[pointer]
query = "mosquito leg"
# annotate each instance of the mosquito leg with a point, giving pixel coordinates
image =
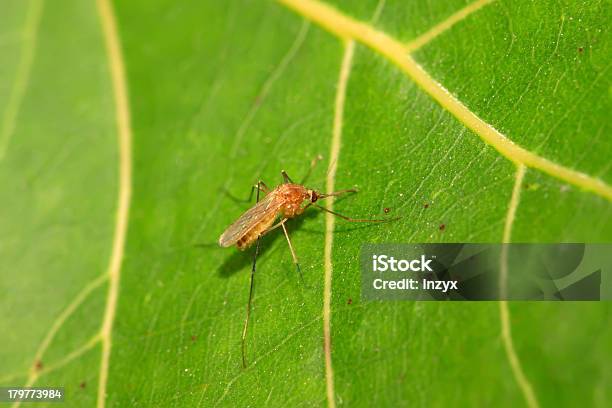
(344, 217)
(295, 260)
(286, 178)
(313, 163)
(248, 200)
(260, 186)
(275, 226)
(251, 286)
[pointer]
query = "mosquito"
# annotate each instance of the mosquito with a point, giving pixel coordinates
(286, 201)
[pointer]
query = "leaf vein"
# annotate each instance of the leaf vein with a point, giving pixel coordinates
(78, 300)
(347, 28)
(504, 312)
(345, 68)
(22, 77)
(124, 136)
(445, 25)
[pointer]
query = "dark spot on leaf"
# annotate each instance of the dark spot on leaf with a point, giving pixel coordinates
(38, 365)
(82, 384)
(580, 49)
(426, 205)
(442, 227)
(349, 302)
(194, 337)
(386, 210)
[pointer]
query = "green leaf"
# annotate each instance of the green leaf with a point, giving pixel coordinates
(222, 94)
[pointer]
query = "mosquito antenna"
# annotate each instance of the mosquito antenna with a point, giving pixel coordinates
(337, 193)
(252, 284)
(313, 163)
(354, 219)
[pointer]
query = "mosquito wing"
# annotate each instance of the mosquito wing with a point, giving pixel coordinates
(268, 205)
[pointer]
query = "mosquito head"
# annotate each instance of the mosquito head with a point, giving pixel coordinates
(313, 196)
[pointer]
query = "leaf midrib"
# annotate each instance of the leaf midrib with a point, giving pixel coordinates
(346, 27)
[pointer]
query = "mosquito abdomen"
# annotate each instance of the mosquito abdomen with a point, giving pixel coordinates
(251, 236)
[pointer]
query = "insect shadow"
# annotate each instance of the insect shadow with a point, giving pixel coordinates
(240, 260)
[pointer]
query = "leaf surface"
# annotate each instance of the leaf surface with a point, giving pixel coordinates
(225, 93)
